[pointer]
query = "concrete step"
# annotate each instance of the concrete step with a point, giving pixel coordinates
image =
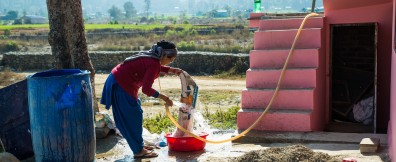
(255, 136)
(297, 99)
(268, 78)
(276, 58)
(283, 39)
(293, 23)
(278, 120)
(254, 19)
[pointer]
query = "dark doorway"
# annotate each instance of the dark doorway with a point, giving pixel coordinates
(353, 78)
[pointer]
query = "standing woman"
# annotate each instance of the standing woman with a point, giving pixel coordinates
(121, 92)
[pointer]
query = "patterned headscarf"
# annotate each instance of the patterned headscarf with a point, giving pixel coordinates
(155, 52)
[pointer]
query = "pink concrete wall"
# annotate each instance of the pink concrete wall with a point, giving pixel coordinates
(392, 122)
(344, 12)
(254, 19)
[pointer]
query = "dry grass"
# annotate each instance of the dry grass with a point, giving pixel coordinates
(7, 77)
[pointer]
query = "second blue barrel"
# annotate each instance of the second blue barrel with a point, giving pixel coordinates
(61, 115)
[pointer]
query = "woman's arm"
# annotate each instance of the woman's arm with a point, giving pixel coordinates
(168, 69)
(175, 71)
(167, 100)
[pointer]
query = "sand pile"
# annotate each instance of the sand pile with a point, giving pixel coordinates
(289, 153)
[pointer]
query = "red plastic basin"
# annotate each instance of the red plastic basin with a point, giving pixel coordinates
(185, 143)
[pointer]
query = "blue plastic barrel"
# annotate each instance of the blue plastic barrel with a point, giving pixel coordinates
(61, 116)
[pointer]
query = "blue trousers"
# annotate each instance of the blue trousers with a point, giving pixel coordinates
(128, 117)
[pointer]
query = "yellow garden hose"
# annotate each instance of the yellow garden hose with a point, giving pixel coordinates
(266, 109)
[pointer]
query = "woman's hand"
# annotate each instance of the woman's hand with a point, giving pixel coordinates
(176, 71)
(167, 100)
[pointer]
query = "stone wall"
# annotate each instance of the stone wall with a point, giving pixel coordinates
(192, 62)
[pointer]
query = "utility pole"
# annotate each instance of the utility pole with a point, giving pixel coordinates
(313, 6)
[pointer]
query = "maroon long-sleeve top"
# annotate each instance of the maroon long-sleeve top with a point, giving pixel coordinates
(139, 73)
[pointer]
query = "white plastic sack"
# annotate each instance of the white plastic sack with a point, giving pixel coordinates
(363, 110)
(189, 95)
(150, 139)
(186, 120)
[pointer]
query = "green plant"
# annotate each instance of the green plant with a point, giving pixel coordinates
(222, 119)
(159, 123)
(219, 119)
(193, 32)
(7, 32)
(12, 46)
(186, 46)
(9, 46)
(3, 37)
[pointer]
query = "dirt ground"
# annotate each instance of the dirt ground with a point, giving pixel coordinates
(115, 148)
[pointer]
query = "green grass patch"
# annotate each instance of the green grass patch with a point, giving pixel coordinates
(220, 120)
(159, 123)
(7, 46)
(136, 27)
(212, 96)
(111, 26)
(104, 26)
(24, 26)
(101, 26)
(229, 75)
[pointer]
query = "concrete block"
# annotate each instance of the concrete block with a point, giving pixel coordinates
(369, 145)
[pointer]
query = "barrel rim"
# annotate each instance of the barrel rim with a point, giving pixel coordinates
(52, 73)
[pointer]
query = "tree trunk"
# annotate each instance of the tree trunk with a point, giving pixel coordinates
(67, 38)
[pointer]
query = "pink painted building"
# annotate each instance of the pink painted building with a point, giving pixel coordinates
(341, 77)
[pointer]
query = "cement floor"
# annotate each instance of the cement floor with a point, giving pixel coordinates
(342, 145)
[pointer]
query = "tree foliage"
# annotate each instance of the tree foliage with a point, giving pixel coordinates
(11, 15)
(130, 10)
(147, 6)
(115, 12)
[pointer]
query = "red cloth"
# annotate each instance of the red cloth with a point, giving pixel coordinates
(138, 73)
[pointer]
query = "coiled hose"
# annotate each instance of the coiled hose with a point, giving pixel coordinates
(266, 109)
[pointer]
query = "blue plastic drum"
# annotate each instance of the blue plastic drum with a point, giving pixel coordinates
(61, 116)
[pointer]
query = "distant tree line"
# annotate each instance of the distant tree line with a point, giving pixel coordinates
(148, 11)
(129, 12)
(11, 15)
